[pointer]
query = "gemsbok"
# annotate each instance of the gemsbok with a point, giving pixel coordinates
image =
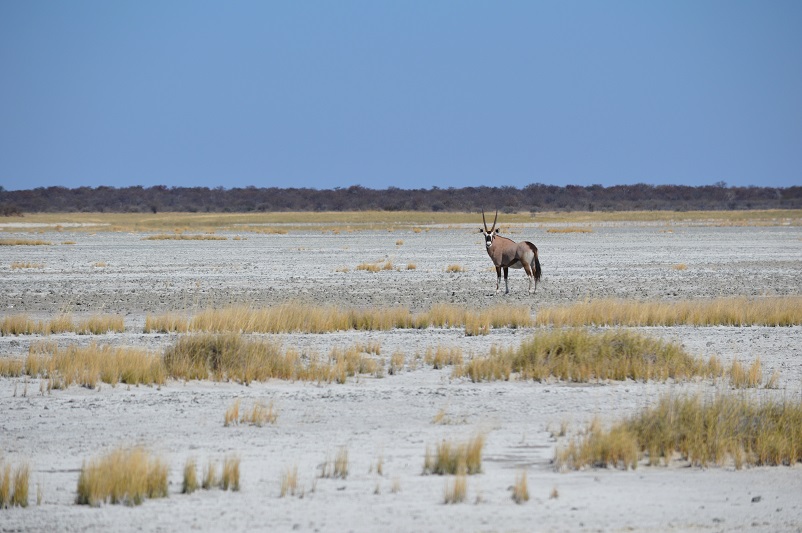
(507, 254)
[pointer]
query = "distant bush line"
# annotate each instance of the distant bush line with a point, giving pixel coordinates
(534, 197)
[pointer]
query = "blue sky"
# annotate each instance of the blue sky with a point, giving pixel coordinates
(407, 93)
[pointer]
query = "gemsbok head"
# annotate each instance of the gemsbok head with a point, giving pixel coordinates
(507, 254)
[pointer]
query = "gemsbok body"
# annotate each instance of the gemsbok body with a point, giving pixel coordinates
(507, 254)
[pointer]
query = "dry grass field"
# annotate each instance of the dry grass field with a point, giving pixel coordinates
(357, 372)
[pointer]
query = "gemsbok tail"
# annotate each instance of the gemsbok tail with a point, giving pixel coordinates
(538, 272)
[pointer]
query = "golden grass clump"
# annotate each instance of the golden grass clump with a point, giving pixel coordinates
(742, 378)
(122, 476)
(14, 485)
(454, 269)
(182, 237)
(456, 490)
(23, 242)
(100, 324)
(190, 481)
(11, 367)
(520, 489)
(95, 363)
(459, 458)
(289, 482)
(260, 414)
(232, 414)
(166, 323)
(369, 267)
(616, 447)
(442, 356)
(728, 428)
(337, 467)
(19, 325)
(411, 266)
(680, 266)
(18, 265)
(731, 311)
(229, 480)
(228, 357)
(210, 479)
(581, 356)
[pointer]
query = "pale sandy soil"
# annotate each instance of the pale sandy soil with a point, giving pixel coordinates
(391, 417)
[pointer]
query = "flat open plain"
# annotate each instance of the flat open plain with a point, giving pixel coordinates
(393, 418)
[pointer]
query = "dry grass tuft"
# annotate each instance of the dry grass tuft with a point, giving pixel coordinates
(337, 467)
(733, 311)
(456, 491)
(123, 476)
(260, 414)
(14, 485)
(680, 266)
(581, 356)
(453, 269)
(210, 479)
(742, 378)
(228, 357)
(411, 266)
(190, 483)
(17, 265)
(182, 237)
(167, 323)
(727, 428)
(91, 364)
(23, 242)
(229, 480)
(451, 458)
(520, 490)
(442, 356)
(232, 414)
(289, 482)
(100, 324)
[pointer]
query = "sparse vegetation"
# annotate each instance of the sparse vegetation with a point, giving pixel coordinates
(451, 458)
(99, 324)
(122, 476)
(731, 311)
(581, 356)
(23, 242)
(728, 428)
(229, 480)
(232, 414)
(289, 482)
(190, 482)
(182, 237)
(14, 485)
(453, 269)
(296, 318)
(18, 265)
(456, 490)
(91, 364)
(166, 323)
(520, 489)
(337, 467)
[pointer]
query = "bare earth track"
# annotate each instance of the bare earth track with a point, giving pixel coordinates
(390, 418)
